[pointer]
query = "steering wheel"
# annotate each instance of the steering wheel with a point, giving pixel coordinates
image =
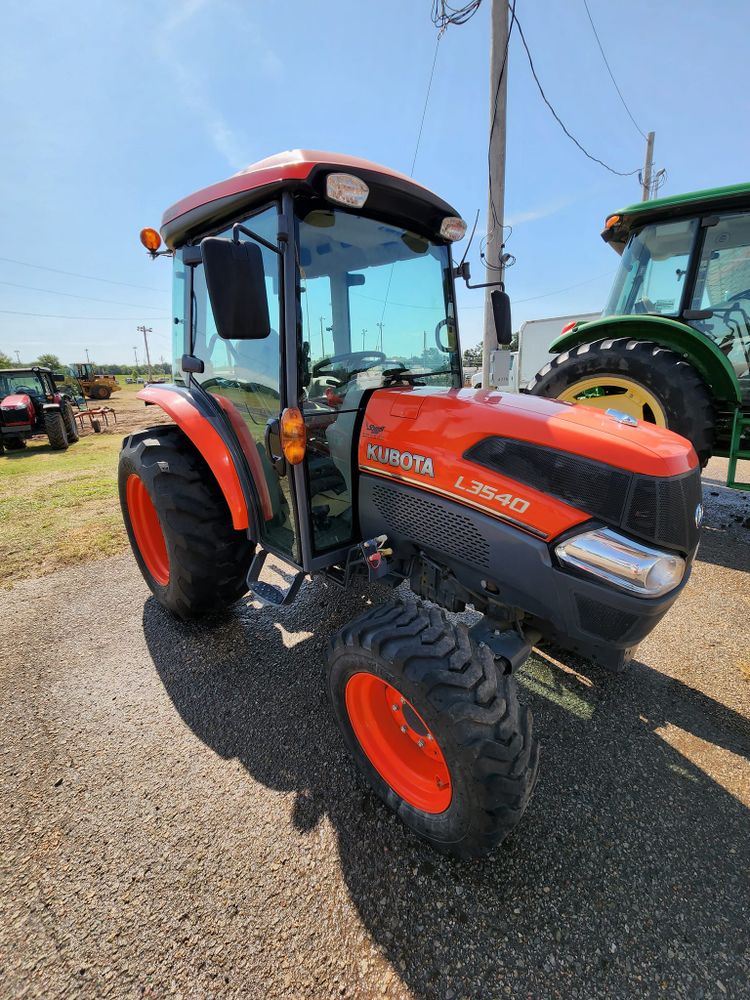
(438, 328)
(25, 388)
(367, 359)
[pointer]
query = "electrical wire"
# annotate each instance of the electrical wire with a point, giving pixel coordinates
(557, 291)
(443, 15)
(69, 295)
(73, 274)
(426, 102)
(99, 319)
(609, 70)
(595, 159)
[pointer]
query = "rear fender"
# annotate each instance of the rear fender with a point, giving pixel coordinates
(695, 347)
(215, 452)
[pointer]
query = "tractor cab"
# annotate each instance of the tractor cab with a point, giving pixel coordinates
(688, 259)
(303, 284)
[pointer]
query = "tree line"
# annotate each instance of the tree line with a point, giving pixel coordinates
(52, 361)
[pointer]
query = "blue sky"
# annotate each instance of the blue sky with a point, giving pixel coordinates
(112, 112)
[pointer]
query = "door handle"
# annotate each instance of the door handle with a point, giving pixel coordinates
(272, 442)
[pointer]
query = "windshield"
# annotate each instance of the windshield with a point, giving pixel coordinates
(651, 278)
(376, 307)
(22, 382)
(722, 289)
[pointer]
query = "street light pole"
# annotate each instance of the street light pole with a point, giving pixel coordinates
(496, 201)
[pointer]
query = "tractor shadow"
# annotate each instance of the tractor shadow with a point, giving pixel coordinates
(725, 539)
(624, 878)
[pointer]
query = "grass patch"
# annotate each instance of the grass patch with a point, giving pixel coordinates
(59, 508)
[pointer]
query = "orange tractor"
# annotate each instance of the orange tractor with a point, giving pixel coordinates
(318, 415)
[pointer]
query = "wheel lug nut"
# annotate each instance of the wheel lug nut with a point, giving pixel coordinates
(420, 743)
(404, 729)
(429, 736)
(395, 708)
(403, 700)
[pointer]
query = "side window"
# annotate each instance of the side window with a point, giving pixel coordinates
(179, 296)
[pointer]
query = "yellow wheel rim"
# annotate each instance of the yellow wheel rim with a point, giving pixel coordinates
(605, 392)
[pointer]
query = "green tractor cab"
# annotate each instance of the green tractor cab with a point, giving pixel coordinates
(672, 346)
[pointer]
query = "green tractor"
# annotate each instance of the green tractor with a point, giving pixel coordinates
(672, 346)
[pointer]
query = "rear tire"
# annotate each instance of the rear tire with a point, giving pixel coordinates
(71, 428)
(101, 392)
(179, 526)
(55, 428)
(680, 391)
(466, 705)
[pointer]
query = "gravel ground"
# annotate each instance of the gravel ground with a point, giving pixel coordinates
(178, 815)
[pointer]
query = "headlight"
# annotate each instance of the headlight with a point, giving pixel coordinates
(622, 562)
(346, 189)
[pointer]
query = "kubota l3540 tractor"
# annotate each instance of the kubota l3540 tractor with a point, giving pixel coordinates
(318, 415)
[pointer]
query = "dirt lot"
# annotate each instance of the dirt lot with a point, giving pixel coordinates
(178, 816)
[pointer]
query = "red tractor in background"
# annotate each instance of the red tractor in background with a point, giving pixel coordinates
(318, 415)
(31, 404)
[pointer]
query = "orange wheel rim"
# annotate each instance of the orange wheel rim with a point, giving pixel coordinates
(398, 743)
(147, 529)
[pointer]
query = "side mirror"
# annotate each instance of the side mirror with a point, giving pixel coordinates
(236, 283)
(501, 314)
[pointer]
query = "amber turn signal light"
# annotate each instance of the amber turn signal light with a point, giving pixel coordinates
(293, 435)
(611, 222)
(150, 239)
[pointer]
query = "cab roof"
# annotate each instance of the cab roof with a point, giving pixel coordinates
(734, 196)
(392, 193)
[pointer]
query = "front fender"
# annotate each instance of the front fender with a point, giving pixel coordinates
(694, 346)
(209, 443)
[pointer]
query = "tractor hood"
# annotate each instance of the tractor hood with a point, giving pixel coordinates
(549, 464)
(15, 401)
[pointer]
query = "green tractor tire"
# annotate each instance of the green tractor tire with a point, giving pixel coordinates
(636, 377)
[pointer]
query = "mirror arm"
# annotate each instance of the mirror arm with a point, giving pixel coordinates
(464, 271)
(237, 228)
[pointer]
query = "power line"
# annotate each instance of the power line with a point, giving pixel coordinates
(595, 159)
(426, 102)
(69, 295)
(74, 274)
(609, 70)
(99, 319)
(558, 291)
(444, 15)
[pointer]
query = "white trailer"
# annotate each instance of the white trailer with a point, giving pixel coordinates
(533, 353)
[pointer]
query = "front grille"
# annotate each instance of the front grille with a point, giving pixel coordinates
(602, 621)
(663, 510)
(430, 524)
(658, 510)
(598, 489)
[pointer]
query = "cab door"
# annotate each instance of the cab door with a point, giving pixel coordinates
(244, 377)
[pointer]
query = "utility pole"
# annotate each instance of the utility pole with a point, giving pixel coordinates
(322, 341)
(380, 327)
(145, 330)
(364, 331)
(87, 355)
(648, 166)
(135, 355)
(18, 356)
(496, 202)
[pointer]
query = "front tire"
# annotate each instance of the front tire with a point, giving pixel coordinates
(101, 392)
(639, 378)
(405, 684)
(71, 428)
(179, 525)
(54, 425)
